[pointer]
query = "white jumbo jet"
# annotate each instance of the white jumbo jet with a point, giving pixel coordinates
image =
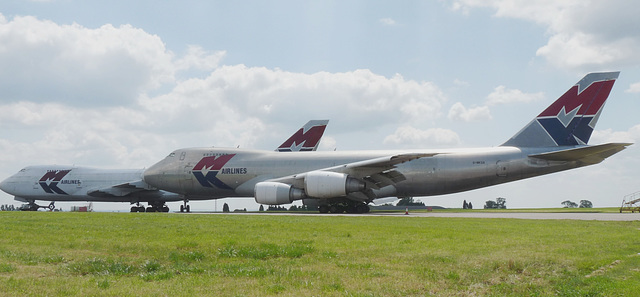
(555, 140)
(75, 183)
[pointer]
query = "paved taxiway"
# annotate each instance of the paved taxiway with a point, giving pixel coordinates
(535, 216)
(480, 215)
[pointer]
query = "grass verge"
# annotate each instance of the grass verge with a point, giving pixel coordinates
(116, 254)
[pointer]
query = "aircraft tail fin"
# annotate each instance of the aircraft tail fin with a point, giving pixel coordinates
(306, 138)
(570, 120)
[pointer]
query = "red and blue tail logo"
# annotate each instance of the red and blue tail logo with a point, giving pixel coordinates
(305, 139)
(570, 120)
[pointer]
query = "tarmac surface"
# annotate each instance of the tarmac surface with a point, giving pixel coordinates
(534, 216)
(480, 215)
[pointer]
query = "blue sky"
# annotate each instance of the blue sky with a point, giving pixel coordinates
(119, 84)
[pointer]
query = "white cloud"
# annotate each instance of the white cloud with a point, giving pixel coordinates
(387, 21)
(609, 135)
(461, 83)
(49, 133)
(232, 93)
(582, 34)
(106, 66)
(458, 112)
(71, 63)
(502, 95)
(234, 105)
(410, 136)
(109, 97)
(633, 88)
(198, 58)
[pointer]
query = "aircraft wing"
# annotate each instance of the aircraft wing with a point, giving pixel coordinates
(377, 172)
(588, 154)
(121, 190)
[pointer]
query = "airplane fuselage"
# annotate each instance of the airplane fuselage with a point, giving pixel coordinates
(235, 172)
(73, 183)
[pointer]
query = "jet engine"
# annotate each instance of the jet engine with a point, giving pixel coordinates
(327, 184)
(273, 193)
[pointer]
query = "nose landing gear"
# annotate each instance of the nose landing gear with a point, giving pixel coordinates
(185, 207)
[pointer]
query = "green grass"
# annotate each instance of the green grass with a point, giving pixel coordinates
(124, 254)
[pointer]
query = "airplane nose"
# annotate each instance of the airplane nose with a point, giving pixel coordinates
(153, 176)
(7, 186)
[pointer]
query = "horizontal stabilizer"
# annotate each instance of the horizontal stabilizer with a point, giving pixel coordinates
(588, 154)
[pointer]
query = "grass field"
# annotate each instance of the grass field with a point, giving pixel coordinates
(126, 254)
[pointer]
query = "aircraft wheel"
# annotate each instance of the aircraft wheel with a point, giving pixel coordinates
(335, 209)
(181, 208)
(134, 209)
(140, 208)
(165, 208)
(151, 209)
(323, 208)
(363, 208)
(188, 208)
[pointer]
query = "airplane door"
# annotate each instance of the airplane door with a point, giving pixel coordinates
(187, 178)
(502, 167)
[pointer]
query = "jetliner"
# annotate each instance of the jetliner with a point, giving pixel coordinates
(75, 183)
(555, 140)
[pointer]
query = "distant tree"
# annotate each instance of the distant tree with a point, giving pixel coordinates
(569, 204)
(261, 208)
(500, 203)
(225, 208)
(408, 201)
(465, 205)
(469, 205)
(586, 204)
(490, 204)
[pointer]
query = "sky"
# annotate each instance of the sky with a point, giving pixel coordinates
(120, 84)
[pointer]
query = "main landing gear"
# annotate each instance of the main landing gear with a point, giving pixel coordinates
(153, 207)
(32, 206)
(344, 206)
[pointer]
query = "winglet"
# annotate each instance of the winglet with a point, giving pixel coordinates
(306, 138)
(570, 120)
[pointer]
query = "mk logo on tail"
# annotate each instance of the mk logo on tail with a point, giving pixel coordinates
(570, 120)
(306, 139)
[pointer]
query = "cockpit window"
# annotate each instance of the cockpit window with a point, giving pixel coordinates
(172, 155)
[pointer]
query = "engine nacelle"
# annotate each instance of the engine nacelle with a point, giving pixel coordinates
(327, 184)
(273, 193)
